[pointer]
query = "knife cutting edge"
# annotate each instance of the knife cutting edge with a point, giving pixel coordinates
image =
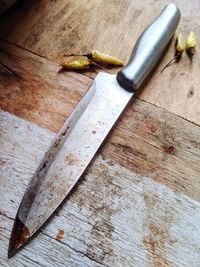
(86, 128)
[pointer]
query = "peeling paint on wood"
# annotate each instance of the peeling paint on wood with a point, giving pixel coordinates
(60, 234)
(115, 216)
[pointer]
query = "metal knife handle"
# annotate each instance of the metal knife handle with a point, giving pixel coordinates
(149, 48)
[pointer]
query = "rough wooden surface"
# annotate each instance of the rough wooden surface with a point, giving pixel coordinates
(46, 97)
(51, 28)
(115, 217)
(41, 94)
(138, 204)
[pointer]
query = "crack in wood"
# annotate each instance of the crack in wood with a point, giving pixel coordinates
(24, 48)
(72, 248)
(5, 215)
(26, 257)
(163, 108)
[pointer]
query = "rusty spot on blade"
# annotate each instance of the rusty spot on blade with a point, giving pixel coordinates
(72, 159)
(20, 234)
(60, 234)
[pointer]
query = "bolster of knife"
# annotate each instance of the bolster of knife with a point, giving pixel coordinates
(149, 48)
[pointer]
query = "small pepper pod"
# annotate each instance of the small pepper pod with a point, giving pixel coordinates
(191, 43)
(102, 58)
(179, 45)
(77, 64)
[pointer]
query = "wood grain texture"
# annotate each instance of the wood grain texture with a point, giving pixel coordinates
(115, 217)
(51, 28)
(40, 93)
(138, 203)
(153, 142)
(46, 97)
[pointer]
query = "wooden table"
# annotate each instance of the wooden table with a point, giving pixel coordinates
(138, 203)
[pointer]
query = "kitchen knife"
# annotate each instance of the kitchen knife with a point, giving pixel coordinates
(86, 128)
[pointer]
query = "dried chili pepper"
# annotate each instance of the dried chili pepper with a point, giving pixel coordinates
(77, 64)
(179, 50)
(191, 43)
(104, 59)
(179, 45)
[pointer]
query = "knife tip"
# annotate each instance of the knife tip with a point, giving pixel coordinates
(10, 253)
(19, 236)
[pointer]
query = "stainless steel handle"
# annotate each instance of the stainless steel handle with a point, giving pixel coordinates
(149, 48)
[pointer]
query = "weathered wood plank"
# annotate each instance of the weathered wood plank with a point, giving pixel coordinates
(79, 26)
(153, 142)
(47, 97)
(51, 28)
(41, 94)
(114, 217)
(44, 251)
(117, 216)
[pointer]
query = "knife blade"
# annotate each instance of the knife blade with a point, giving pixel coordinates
(87, 127)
